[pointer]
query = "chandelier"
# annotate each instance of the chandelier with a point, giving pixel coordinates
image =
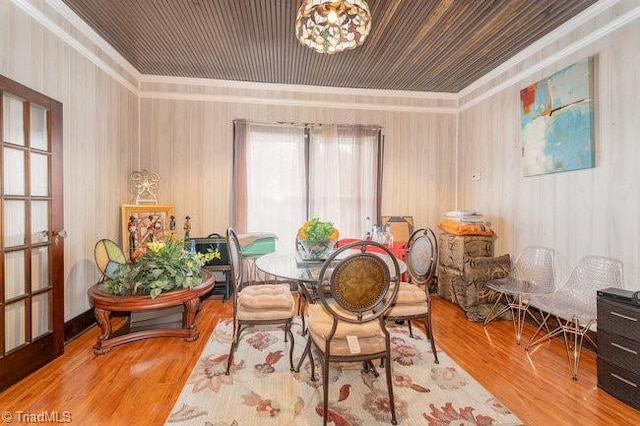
(330, 26)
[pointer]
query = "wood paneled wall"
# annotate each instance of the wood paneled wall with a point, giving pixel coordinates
(189, 142)
(433, 143)
(100, 125)
(593, 211)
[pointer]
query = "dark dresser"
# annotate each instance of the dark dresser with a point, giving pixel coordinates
(619, 345)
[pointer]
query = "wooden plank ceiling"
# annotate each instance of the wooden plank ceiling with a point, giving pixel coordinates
(417, 45)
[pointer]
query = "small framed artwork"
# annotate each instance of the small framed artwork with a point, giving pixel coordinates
(145, 223)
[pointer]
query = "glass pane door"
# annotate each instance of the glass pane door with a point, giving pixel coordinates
(31, 272)
(26, 200)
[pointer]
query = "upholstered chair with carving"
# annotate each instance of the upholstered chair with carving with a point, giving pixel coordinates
(355, 288)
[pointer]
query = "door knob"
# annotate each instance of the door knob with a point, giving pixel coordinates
(57, 234)
(44, 234)
(60, 233)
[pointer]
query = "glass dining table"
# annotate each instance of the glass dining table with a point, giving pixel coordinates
(289, 266)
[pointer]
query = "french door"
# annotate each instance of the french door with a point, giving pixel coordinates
(31, 231)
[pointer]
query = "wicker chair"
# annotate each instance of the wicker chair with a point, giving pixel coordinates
(257, 304)
(413, 301)
(574, 304)
(532, 274)
(355, 288)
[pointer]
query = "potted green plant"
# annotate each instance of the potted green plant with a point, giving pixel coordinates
(161, 266)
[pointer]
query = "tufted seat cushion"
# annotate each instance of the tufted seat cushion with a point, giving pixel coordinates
(411, 300)
(265, 302)
(370, 335)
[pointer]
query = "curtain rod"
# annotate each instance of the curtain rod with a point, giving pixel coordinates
(307, 124)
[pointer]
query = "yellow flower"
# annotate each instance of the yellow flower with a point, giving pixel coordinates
(204, 258)
(155, 246)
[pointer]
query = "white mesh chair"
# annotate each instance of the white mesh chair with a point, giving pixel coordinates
(413, 301)
(257, 304)
(532, 274)
(574, 304)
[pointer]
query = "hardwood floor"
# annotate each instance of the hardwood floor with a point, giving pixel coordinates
(139, 382)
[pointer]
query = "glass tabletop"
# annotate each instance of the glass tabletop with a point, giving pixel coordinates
(286, 264)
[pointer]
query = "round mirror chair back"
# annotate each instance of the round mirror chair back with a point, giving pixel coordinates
(359, 281)
(422, 252)
(235, 258)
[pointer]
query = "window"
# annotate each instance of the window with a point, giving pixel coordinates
(285, 174)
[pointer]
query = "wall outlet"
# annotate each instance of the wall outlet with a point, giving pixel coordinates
(476, 176)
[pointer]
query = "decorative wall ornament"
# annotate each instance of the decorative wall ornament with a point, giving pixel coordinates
(143, 184)
(557, 121)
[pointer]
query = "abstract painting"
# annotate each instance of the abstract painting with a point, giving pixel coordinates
(557, 121)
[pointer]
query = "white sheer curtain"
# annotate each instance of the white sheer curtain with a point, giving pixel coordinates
(271, 180)
(273, 192)
(343, 176)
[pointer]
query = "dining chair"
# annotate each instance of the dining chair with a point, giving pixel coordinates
(257, 303)
(574, 304)
(413, 301)
(532, 274)
(355, 288)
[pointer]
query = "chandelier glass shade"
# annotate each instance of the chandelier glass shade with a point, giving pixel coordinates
(330, 26)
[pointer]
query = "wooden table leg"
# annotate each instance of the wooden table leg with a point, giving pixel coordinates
(191, 308)
(103, 317)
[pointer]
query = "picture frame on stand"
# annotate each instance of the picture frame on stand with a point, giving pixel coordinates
(145, 223)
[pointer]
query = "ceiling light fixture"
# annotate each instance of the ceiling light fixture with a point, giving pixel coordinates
(330, 26)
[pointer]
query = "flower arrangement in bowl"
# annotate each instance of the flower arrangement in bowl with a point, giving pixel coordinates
(161, 266)
(317, 238)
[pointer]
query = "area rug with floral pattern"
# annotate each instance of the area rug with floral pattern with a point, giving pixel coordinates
(261, 390)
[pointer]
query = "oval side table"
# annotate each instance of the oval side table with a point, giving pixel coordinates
(104, 304)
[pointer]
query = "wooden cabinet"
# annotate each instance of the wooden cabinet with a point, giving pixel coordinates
(619, 349)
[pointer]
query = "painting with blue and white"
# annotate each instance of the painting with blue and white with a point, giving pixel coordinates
(557, 121)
